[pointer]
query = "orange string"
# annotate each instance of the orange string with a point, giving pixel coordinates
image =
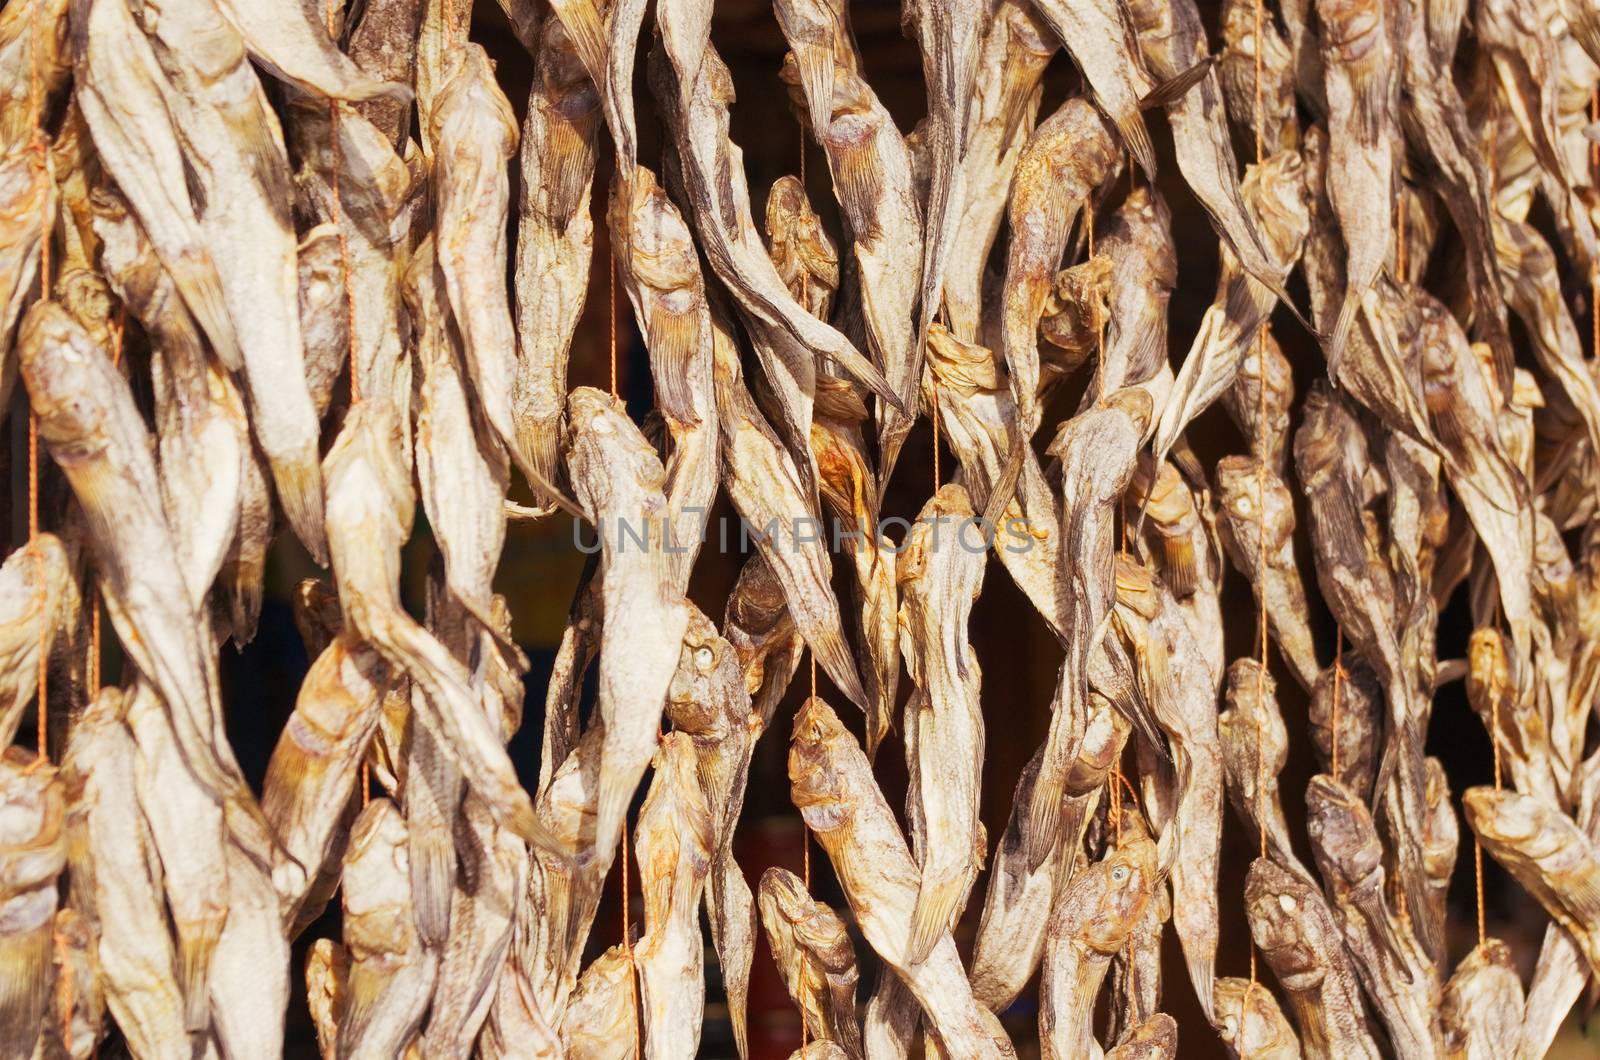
(611, 274)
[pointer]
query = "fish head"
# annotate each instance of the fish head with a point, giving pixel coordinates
(1118, 889)
(1275, 191)
(1251, 695)
(33, 812)
(1278, 905)
(1341, 828)
(819, 787)
(1104, 735)
(1507, 817)
(704, 661)
(1488, 665)
(66, 382)
(964, 366)
(1249, 1019)
(1351, 29)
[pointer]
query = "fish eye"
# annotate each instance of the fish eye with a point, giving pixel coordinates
(1119, 873)
(703, 658)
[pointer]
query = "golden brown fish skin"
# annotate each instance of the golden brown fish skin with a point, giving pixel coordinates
(116, 882)
(555, 236)
(1097, 449)
(33, 851)
(761, 630)
(1269, 441)
(939, 582)
(1274, 576)
(391, 974)
(1154, 1039)
(1482, 1006)
(1523, 739)
(832, 785)
(619, 481)
(313, 768)
(22, 27)
(1359, 714)
(1251, 1024)
(600, 1020)
(1173, 522)
(1102, 41)
(27, 196)
(1097, 912)
(802, 250)
(1136, 983)
(1398, 976)
(815, 955)
(1440, 838)
(1136, 246)
(1251, 731)
(674, 840)
(662, 277)
(765, 485)
(1071, 154)
(1236, 70)
(1299, 938)
(1361, 77)
(1548, 855)
(34, 575)
(1016, 49)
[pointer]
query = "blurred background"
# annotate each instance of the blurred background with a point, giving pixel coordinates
(1019, 657)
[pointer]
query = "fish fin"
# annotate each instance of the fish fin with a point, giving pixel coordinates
(25, 986)
(1137, 137)
(675, 340)
(195, 948)
(815, 61)
(571, 145)
(433, 872)
(1044, 805)
(1372, 908)
(937, 906)
(298, 478)
(866, 373)
(1176, 87)
(858, 178)
(1178, 564)
(581, 20)
(201, 287)
(1341, 331)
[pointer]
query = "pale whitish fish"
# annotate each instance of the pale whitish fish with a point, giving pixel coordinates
(33, 851)
(1142, 264)
(283, 37)
(236, 155)
(1251, 1024)
(940, 575)
(324, 316)
(391, 974)
(39, 573)
(121, 92)
(601, 1021)
(28, 81)
(555, 238)
(673, 838)
(1482, 1005)
(1016, 49)
(832, 785)
(1071, 154)
(371, 506)
(327, 968)
(619, 482)
(1097, 449)
(1100, 36)
(27, 197)
(814, 954)
(661, 275)
(765, 487)
(1236, 73)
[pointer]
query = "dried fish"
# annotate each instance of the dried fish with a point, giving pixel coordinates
(1104, 45)
(33, 851)
(1482, 1007)
(37, 590)
(815, 956)
(602, 1021)
(1251, 1023)
(1255, 746)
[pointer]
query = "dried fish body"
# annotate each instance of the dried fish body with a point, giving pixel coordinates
(313, 768)
(75, 1023)
(1251, 1024)
(833, 787)
(116, 881)
(29, 80)
(601, 1021)
(939, 582)
(978, 420)
(814, 953)
(871, 172)
(1398, 977)
(1350, 696)
(802, 250)
(766, 489)
(122, 93)
(324, 318)
(555, 237)
(1482, 1007)
(234, 148)
(674, 841)
(27, 197)
(1154, 1039)
(1440, 839)
(37, 590)
(1072, 153)
(1172, 40)
(1103, 43)
(33, 851)
(1135, 990)
(663, 282)
(1097, 451)
(1300, 939)
(1005, 105)
(1174, 523)
(1093, 920)
(391, 974)
(371, 505)
(296, 48)
(1522, 736)
(762, 632)
(1255, 746)
(1275, 193)
(619, 482)
(1360, 73)
(1236, 71)
(1142, 261)
(1547, 853)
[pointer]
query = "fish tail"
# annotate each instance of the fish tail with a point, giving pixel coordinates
(937, 906)
(1137, 137)
(197, 941)
(433, 870)
(197, 281)
(298, 476)
(1044, 812)
(1178, 564)
(1341, 331)
(25, 985)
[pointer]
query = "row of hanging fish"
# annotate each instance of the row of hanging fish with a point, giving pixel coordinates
(254, 282)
